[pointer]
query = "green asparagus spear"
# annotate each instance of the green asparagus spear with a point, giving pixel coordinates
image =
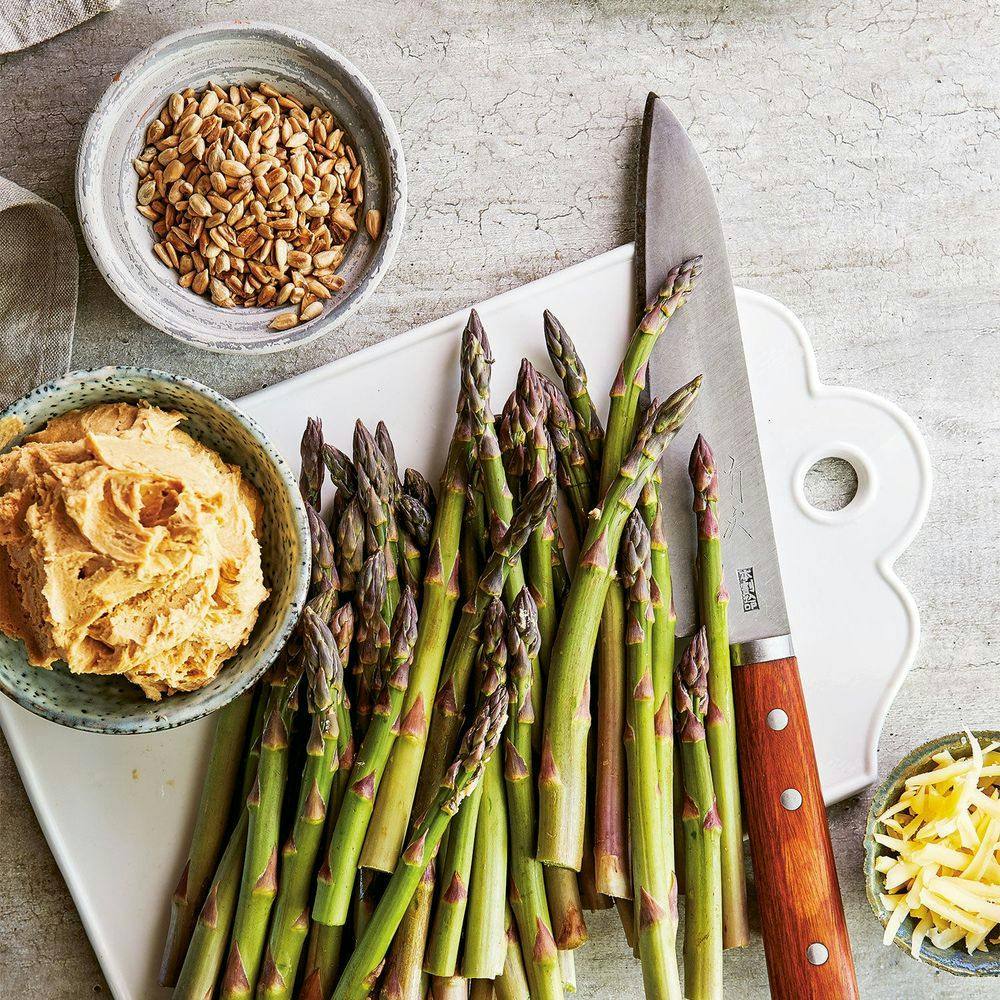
(528, 897)
(532, 408)
(391, 815)
(461, 778)
(450, 988)
(484, 932)
(713, 605)
(372, 637)
(567, 970)
(455, 676)
(664, 621)
(569, 367)
(476, 367)
(655, 892)
(384, 441)
(611, 866)
(336, 877)
(482, 989)
(416, 521)
(454, 873)
(380, 536)
(560, 572)
(474, 544)
(702, 829)
(199, 972)
(512, 983)
(484, 945)
(565, 909)
(259, 882)
(367, 892)
(576, 477)
(510, 440)
(209, 836)
(563, 765)
(631, 378)
(324, 943)
(404, 977)
(290, 923)
(610, 825)
(322, 961)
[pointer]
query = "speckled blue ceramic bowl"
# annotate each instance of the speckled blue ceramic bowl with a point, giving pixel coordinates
(954, 960)
(110, 704)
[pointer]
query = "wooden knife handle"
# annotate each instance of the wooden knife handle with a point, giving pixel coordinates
(802, 916)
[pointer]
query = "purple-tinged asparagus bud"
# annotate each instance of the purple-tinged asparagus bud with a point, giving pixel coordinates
(701, 467)
(417, 487)
(388, 452)
(340, 467)
(350, 543)
(416, 520)
(324, 570)
(672, 294)
(691, 689)
(564, 356)
(311, 451)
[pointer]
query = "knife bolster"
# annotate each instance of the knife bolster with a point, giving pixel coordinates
(777, 647)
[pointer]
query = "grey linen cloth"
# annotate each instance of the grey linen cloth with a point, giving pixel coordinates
(38, 282)
(28, 22)
(38, 260)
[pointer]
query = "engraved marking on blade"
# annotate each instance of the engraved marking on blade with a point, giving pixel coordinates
(748, 589)
(737, 516)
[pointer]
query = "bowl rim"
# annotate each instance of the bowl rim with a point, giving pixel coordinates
(152, 723)
(920, 755)
(392, 225)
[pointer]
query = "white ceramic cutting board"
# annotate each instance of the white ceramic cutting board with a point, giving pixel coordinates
(117, 809)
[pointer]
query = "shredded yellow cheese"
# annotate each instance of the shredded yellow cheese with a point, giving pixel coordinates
(941, 857)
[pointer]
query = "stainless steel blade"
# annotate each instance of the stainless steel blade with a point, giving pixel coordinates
(677, 218)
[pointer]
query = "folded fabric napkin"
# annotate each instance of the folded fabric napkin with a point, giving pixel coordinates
(38, 279)
(38, 260)
(28, 22)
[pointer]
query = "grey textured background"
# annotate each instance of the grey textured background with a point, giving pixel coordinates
(855, 149)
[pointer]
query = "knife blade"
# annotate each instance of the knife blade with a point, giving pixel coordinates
(677, 218)
(805, 934)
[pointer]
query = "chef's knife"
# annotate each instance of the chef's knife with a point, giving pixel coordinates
(805, 935)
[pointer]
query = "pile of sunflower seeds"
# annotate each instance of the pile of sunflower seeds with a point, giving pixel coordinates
(252, 198)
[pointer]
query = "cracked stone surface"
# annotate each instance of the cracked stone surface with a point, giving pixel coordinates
(854, 147)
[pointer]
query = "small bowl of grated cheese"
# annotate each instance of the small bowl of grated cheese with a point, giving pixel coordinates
(932, 854)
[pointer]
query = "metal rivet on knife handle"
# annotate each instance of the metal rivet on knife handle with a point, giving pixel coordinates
(817, 953)
(777, 719)
(791, 799)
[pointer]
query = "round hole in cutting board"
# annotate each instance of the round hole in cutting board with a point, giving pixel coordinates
(831, 484)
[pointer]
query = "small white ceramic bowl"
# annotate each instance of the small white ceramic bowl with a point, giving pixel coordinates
(120, 239)
(110, 704)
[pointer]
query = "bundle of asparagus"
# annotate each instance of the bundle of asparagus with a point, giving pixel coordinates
(411, 803)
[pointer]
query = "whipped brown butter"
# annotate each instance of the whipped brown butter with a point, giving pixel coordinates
(126, 547)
